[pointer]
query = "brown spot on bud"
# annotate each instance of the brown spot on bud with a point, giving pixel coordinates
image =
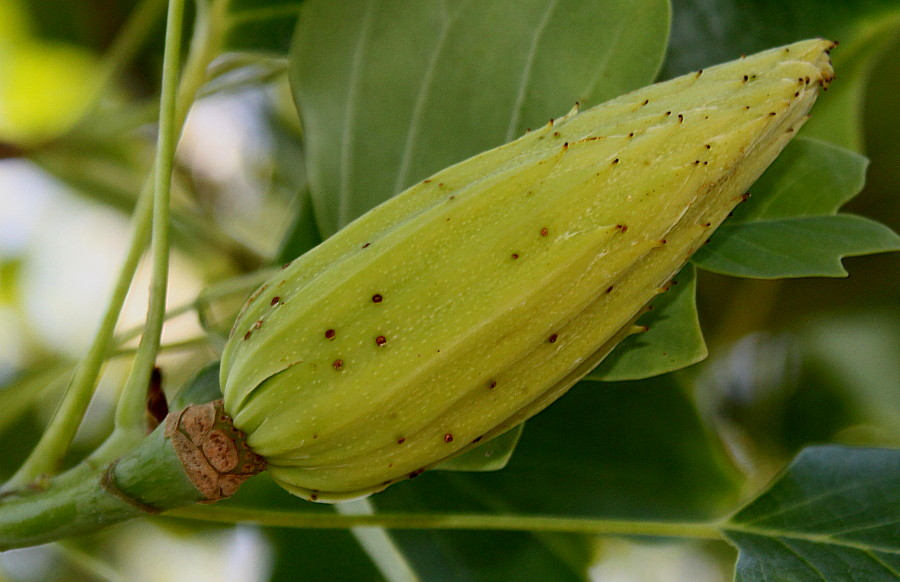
(448, 438)
(380, 340)
(478, 439)
(247, 335)
(515, 256)
(615, 161)
(338, 364)
(609, 289)
(377, 298)
(258, 324)
(401, 440)
(544, 231)
(275, 301)
(365, 246)
(552, 339)
(416, 473)
(329, 334)
(493, 384)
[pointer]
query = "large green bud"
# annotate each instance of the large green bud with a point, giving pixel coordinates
(474, 299)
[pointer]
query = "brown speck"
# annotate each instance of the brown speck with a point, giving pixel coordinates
(258, 324)
(746, 78)
(631, 134)
(377, 298)
(609, 289)
(380, 340)
(700, 72)
(545, 231)
(515, 256)
(478, 439)
(416, 473)
(493, 384)
(772, 114)
(696, 162)
(552, 339)
(285, 266)
(797, 94)
(746, 108)
(329, 334)
(556, 134)
(448, 438)
(668, 113)
(247, 335)
(365, 246)
(744, 196)
(680, 118)
(401, 440)
(426, 181)
(615, 161)
(338, 364)
(707, 224)
(315, 436)
(707, 146)
(705, 163)
(663, 241)
(313, 497)
(440, 184)
(646, 101)
(275, 301)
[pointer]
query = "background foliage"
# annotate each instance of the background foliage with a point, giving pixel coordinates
(388, 92)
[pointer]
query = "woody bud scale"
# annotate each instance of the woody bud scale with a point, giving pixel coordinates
(474, 299)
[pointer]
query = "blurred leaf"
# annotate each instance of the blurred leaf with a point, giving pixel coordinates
(303, 233)
(319, 555)
(726, 29)
(261, 25)
(859, 351)
(789, 227)
(201, 388)
(490, 456)
(833, 515)
(391, 91)
(673, 340)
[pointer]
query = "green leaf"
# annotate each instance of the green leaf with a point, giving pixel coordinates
(728, 28)
(800, 247)
(833, 515)
(260, 25)
(629, 450)
(490, 456)
(789, 226)
(672, 341)
(391, 91)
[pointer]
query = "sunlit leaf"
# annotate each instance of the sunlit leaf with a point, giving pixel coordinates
(833, 515)
(390, 91)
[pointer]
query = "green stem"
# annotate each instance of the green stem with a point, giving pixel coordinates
(148, 479)
(454, 521)
(169, 130)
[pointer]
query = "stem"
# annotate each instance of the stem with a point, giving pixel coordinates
(148, 479)
(169, 130)
(175, 466)
(453, 521)
(378, 544)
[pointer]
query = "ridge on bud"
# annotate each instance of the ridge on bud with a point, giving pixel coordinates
(475, 298)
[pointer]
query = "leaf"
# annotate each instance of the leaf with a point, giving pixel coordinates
(260, 25)
(385, 105)
(625, 450)
(789, 226)
(833, 515)
(728, 28)
(490, 456)
(804, 247)
(673, 339)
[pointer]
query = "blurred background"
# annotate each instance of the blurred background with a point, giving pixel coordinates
(793, 362)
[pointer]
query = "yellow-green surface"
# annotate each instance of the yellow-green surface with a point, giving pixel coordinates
(474, 299)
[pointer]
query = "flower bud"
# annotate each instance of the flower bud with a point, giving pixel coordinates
(475, 298)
